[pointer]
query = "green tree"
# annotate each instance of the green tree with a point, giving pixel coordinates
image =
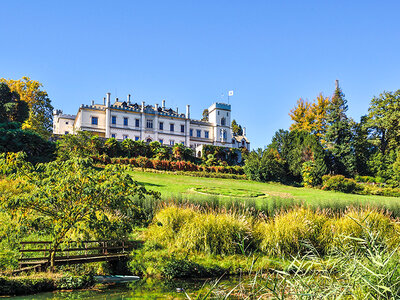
(72, 196)
(265, 165)
(12, 109)
(40, 108)
(339, 136)
(81, 144)
(236, 128)
(383, 125)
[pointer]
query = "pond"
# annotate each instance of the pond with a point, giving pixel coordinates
(141, 289)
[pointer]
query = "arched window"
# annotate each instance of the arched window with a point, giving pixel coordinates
(223, 121)
(199, 154)
(148, 140)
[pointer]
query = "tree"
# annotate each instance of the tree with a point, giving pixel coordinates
(265, 165)
(383, 121)
(338, 135)
(72, 196)
(81, 144)
(12, 109)
(205, 115)
(236, 128)
(310, 117)
(40, 108)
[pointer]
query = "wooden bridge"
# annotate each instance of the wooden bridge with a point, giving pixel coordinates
(36, 255)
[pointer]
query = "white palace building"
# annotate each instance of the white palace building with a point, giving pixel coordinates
(122, 120)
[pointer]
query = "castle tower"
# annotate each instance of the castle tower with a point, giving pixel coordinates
(219, 114)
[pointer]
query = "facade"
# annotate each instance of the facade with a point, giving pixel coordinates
(123, 120)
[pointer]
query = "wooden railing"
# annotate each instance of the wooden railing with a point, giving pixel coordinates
(38, 253)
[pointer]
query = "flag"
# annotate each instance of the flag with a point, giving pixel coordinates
(230, 93)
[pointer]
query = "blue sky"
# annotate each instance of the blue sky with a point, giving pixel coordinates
(191, 52)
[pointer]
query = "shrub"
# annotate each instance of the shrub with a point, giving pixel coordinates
(340, 183)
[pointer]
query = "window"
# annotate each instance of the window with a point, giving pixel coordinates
(198, 133)
(161, 141)
(172, 142)
(66, 123)
(206, 133)
(183, 143)
(223, 121)
(136, 138)
(125, 121)
(136, 122)
(182, 128)
(224, 134)
(124, 137)
(191, 132)
(95, 120)
(149, 123)
(218, 113)
(161, 126)
(148, 140)
(114, 120)
(113, 135)
(227, 114)
(171, 127)
(66, 132)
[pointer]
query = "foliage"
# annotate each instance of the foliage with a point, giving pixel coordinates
(82, 144)
(12, 109)
(340, 183)
(309, 174)
(236, 128)
(40, 108)
(205, 115)
(13, 139)
(310, 117)
(43, 283)
(73, 196)
(265, 165)
(339, 139)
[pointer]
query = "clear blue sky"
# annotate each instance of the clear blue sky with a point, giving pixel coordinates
(190, 52)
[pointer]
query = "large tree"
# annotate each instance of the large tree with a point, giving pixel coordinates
(40, 108)
(236, 128)
(339, 136)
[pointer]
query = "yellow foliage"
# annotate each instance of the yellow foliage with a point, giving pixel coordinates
(310, 116)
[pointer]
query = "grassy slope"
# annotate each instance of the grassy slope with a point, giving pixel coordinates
(169, 184)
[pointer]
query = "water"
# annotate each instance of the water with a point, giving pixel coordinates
(141, 289)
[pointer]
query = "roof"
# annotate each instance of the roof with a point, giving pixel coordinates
(240, 138)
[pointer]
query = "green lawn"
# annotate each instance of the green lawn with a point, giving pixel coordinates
(169, 184)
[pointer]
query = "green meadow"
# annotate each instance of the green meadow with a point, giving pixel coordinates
(171, 185)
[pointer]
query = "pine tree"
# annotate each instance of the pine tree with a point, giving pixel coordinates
(338, 135)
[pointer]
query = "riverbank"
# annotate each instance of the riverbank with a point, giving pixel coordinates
(43, 282)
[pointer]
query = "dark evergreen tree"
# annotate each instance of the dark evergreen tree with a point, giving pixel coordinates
(338, 136)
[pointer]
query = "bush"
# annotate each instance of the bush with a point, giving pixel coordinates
(340, 183)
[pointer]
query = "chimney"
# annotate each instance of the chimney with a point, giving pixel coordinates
(92, 102)
(188, 111)
(163, 104)
(142, 105)
(108, 103)
(116, 100)
(104, 101)
(244, 131)
(156, 107)
(337, 84)
(129, 99)
(177, 110)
